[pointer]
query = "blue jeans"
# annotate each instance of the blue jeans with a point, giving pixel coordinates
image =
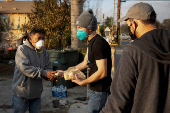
(20, 105)
(97, 101)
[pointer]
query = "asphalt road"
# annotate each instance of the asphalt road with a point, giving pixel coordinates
(124, 42)
(119, 52)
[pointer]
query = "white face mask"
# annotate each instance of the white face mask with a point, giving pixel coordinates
(40, 44)
(23, 42)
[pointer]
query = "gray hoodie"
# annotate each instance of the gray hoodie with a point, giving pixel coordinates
(30, 68)
(142, 80)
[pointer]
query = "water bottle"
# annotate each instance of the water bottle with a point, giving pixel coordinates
(65, 88)
(57, 89)
(53, 91)
(65, 91)
(61, 86)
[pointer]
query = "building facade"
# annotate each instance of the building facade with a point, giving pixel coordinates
(13, 14)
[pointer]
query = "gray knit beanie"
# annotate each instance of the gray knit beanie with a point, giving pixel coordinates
(87, 20)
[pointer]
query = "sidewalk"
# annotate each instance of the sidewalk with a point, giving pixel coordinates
(73, 106)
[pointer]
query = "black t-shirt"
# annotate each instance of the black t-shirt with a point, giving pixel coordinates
(98, 49)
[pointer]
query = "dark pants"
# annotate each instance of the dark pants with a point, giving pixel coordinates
(20, 105)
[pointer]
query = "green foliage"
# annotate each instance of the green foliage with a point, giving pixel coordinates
(158, 25)
(102, 28)
(108, 21)
(55, 17)
(166, 24)
(124, 29)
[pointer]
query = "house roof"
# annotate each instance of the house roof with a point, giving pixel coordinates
(15, 7)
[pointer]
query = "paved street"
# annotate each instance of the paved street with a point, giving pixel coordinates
(124, 42)
(46, 104)
(119, 51)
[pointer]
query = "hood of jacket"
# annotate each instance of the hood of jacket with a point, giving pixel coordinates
(156, 44)
(28, 43)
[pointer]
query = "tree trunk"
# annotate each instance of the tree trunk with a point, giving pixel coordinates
(76, 10)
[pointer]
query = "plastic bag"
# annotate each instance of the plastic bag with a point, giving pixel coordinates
(70, 73)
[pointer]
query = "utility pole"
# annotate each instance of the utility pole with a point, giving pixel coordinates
(100, 15)
(118, 17)
(113, 14)
(103, 19)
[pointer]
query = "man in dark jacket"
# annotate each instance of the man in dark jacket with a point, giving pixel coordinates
(142, 83)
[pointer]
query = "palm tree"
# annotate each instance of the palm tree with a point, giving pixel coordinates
(76, 10)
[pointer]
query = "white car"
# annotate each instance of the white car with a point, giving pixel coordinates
(123, 36)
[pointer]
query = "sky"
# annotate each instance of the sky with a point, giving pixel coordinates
(162, 8)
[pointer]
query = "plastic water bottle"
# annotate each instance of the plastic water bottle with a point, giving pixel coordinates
(65, 91)
(61, 86)
(59, 89)
(65, 88)
(53, 91)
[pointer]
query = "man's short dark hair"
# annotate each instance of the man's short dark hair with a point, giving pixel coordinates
(37, 30)
(24, 37)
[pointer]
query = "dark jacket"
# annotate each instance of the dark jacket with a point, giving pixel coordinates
(142, 83)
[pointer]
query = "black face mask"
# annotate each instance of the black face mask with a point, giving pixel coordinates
(133, 36)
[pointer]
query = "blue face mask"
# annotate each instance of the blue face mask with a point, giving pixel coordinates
(81, 34)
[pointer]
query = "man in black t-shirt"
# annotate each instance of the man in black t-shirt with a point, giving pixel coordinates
(98, 60)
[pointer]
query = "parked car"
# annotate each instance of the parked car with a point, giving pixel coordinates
(123, 36)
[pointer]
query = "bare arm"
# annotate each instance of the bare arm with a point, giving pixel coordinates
(99, 74)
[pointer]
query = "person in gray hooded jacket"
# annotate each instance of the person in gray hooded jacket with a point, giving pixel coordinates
(32, 64)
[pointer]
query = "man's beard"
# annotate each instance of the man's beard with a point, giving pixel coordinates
(133, 36)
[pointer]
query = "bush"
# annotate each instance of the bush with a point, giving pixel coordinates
(55, 17)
